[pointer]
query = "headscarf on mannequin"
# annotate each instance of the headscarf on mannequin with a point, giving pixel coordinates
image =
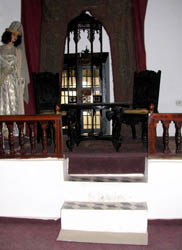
(17, 28)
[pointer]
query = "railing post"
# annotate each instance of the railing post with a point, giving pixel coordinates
(32, 136)
(10, 126)
(21, 136)
(152, 134)
(32, 151)
(44, 142)
(178, 136)
(166, 136)
(59, 144)
(1, 140)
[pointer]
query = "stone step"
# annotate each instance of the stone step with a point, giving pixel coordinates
(103, 237)
(111, 218)
(111, 188)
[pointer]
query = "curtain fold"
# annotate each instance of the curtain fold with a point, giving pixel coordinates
(139, 11)
(31, 12)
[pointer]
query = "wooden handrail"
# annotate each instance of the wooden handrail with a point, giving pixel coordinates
(166, 119)
(14, 147)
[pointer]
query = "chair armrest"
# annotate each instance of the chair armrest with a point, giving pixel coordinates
(136, 111)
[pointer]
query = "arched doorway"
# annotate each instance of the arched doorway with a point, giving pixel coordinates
(85, 75)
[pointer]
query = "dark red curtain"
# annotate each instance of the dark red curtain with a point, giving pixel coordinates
(31, 20)
(139, 10)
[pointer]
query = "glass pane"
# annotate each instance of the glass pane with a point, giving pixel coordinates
(97, 120)
(96, 82)
(64, 79)
(96, 92)
(96, 77)
(64, 97)
(72, 93)
(90, 121)
(86, 82)
(86, 78)
(72, 79)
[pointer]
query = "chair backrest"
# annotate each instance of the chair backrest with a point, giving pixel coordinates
(47, 91)
(146, 89)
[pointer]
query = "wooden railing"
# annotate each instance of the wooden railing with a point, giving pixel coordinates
(25, 144)
(166, 120)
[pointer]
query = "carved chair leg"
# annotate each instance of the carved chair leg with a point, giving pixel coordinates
(144, 131)
(39, 132)
(49, 131)
(133, 129)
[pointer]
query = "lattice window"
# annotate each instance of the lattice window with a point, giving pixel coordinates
(91, 120)
(69, 87)
(87, 78)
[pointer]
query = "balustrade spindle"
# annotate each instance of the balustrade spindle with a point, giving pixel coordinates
(54, 135)
(32, 137)
(166, 119)
(29, 122)
(166, 136)
(1, 140)
(57, 126)
(44, 141)
(21, 137)
(10, 126)
(178, 136)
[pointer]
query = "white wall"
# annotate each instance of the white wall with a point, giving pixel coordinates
(164, 189)
(31, 188)
(34, 188)
(163, 40)
(9, 12)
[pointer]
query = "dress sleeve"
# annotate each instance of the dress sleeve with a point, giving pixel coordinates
(19, 62)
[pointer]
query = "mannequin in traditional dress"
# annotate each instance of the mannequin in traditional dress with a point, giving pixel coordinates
(14, 75)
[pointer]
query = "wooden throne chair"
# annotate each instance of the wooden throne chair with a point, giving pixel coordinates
(47, 96)
(145, 92)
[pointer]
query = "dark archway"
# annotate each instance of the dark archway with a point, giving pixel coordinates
(116, 17)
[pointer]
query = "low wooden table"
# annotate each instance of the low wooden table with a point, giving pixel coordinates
(114, 112)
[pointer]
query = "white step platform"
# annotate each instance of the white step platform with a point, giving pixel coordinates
(104, 208)
(105, 188)
(104, 222)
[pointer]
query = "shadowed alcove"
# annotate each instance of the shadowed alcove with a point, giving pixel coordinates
(117, 19)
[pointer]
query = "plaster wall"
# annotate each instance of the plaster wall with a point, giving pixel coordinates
(164, 189)
(163, 39)
(31, 188)
(9, 12)
(34, 188)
